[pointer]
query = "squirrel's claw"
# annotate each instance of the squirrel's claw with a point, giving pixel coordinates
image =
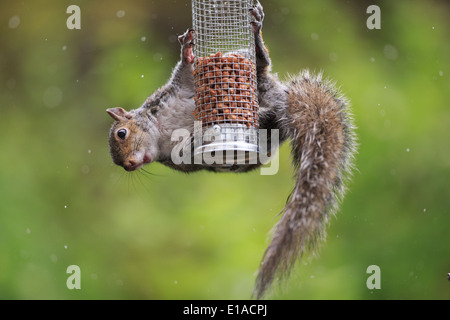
(187, 37)
(187, 43)
(258, 13)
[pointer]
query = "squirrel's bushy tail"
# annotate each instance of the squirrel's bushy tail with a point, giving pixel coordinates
(321, 130)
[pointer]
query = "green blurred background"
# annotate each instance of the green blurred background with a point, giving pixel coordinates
(174, 236)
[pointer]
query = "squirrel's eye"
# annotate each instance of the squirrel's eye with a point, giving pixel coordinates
(122, 133)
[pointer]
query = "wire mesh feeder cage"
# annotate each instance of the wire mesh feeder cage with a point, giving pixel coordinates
(225, 82)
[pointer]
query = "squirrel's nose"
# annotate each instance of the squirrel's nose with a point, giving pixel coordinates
(130, 165)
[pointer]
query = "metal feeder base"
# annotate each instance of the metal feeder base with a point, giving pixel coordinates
(228, 145)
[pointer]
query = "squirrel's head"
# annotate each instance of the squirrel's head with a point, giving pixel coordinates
(133, 139)
(143, 135)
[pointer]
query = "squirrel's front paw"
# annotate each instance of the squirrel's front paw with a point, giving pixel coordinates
(258, 13)
(187, 45)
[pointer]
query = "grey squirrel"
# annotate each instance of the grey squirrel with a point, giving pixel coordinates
(307, 110)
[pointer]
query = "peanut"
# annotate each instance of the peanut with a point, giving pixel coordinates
(225, 90)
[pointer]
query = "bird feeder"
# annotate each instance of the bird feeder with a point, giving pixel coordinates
(225, 82)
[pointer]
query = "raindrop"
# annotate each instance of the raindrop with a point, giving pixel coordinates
(173, 38)
(52, 97)
(64, 48)
(372, 59)
(53, 258)
(157, 57)
(85, 169)
(28, 231)
(314, 36)
(65, 247)
(89, 151)
(407, 150)
(441, 73)
(333, 56)
(390, 52)
(142, 76)
(424, 209)
(120, 13)
(14, 22)
(143, 38)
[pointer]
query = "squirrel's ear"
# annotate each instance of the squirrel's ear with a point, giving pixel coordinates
(119, 114)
